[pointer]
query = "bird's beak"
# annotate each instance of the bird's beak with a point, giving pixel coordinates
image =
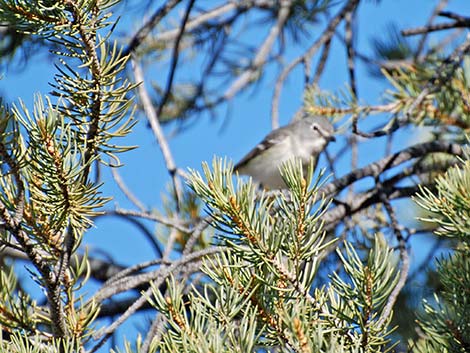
(332, 138)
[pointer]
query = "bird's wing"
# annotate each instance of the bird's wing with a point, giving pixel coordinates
(274, 137)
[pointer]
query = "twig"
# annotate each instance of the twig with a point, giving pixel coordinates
(208, 15)
(144, 31)
(130, 311)
(405, 262)
(169, 222)
(349, 38)
(453, 16)
(166, 95)
(322, 62)
(174, 59)
(118, 307)
(170, 242)
(365, 199)
(127, 192)
(261, 56)
(350, 53)
(151, 333)
(124, 283)
(147, 233)
(159, 280)
(325, 36)
(437, 27)
(422, 41)
(196, 233)
(362, 201)
(389, 162)
(152, 117)
(199, 20)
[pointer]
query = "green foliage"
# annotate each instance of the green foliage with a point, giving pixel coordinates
(439, 87)
(446, 320)
(450, 203)
(360, 300)
(261, 291)
(18, 310)
(53, 171)
(18, 343)
(47, 198)
(303, 15)
(434, 93)
(392, 47)
(94, 95)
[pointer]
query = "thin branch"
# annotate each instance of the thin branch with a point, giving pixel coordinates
(118, 307)
(125, 283)
(324, 37)
(100, 270)
(127, 192)
(322, 62)
(166, 95)
(422, 41)
(195, 235)
(106, 334)
(464, 22)
(389, 162)
(199, 20)
(261, 56)
(350, 52)
(453, 16)
(152, 117)
(405, 262)
(170, 242)
(159, 280)
(145, 231)
(151, 333)
(174, 59)
(364, 200)
(145, 30)
(169, 222)
(204, 19)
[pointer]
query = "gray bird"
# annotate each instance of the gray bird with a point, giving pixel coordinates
(304, 138)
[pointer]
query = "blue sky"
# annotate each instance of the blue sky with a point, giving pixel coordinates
(230, 135)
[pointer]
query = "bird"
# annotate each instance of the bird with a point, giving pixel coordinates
(304, 138)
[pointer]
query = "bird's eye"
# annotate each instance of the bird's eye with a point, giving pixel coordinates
(314, 127)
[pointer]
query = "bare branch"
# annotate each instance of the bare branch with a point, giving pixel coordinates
(152, 117)
(439, 7)
(122, 284)
(129, 194)
(169, 222)
(145, 231)
(324, 37)
(262, 54)
(144, 31)
(377, 168)
(158, 279)
(461, 22)
(405, 260)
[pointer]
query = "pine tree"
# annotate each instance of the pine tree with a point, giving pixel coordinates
(319, 267)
